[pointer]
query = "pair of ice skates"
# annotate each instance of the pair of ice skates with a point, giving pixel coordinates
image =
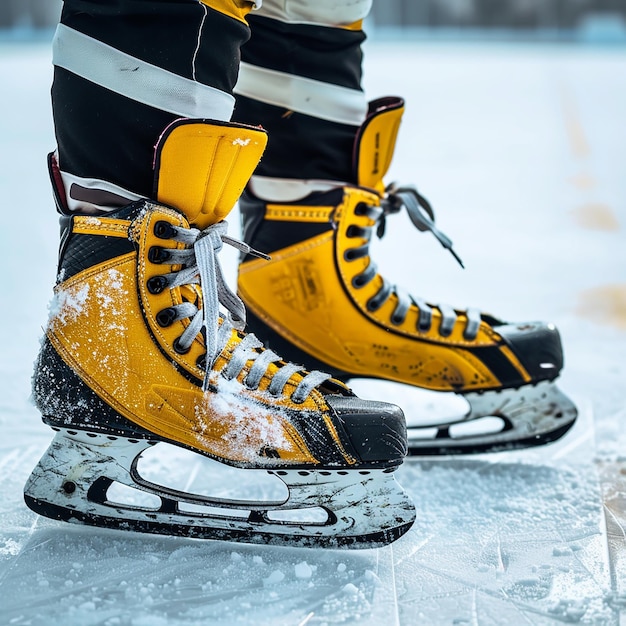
(146, 344)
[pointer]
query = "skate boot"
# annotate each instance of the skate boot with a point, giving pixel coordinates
(137, 352)
(321, 301)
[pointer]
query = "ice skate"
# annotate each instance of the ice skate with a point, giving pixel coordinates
(145, 345)
(321, 301)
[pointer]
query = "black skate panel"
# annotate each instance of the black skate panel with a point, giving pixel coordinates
(65, 401)
(500, 365)
(80, 252)
(267, 236)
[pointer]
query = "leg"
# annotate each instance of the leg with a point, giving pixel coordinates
(314, 204)
(145, 343)
(125, 70)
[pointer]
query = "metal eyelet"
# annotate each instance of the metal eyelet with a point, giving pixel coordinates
(164, 230)
(248, 386)
(156, 284)
(177, 347)
(373, 305)
(359, 281)
(158, 255)
(166, 317)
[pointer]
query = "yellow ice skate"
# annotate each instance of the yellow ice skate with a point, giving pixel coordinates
(321, 301)
(145, 344)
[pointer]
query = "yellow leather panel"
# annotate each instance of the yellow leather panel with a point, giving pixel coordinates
(305, 294)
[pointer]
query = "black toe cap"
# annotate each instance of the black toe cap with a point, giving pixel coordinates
(537, 345)
(376, 430)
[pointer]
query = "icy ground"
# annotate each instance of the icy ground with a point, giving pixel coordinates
(522, 151)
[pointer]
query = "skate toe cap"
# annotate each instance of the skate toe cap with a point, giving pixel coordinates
(537, 345)
(376, 430)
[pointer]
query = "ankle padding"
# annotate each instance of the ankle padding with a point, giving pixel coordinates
(376, 141)
(202, 167)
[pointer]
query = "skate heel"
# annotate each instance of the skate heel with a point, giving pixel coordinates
(69, 482)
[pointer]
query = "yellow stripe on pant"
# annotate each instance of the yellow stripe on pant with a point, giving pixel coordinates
(237, 9)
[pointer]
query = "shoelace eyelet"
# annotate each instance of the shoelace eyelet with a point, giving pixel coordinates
(248, 386)
(359, 281)
(178, 349)
(373, 305)
(166, 317)
(158, 255)
(352, 254)
(353, 231)
(156, 284)
(164, 230)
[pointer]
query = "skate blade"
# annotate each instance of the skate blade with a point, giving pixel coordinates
(498, 421)
(76, 477)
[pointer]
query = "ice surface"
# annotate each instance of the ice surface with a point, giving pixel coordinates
(521, 150)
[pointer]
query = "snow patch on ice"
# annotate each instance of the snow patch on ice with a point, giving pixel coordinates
(561, 551)
(10, 547)
(274, 578)
(303, 570)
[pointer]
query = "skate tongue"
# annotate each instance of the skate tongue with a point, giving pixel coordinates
(202, 167)
(375, 142)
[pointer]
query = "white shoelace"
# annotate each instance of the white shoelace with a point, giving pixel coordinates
(202, 268)
(422, 216)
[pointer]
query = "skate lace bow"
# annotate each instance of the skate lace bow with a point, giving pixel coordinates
(420, 213)
(422, 216)
(202, 267)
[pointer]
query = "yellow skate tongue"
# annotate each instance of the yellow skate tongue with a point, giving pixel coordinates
(376, 140)
(202, 167)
